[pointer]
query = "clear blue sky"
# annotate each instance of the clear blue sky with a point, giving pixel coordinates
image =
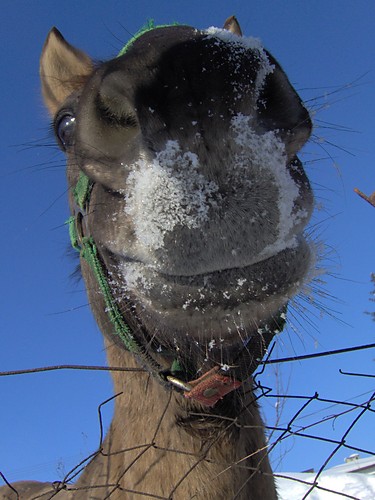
(48, 422)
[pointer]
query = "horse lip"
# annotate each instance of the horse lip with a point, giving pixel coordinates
(158, 267)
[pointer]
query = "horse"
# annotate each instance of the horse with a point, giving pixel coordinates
(188, 210)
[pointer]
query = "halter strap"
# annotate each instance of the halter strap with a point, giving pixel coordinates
(149, 26)
(85, 245)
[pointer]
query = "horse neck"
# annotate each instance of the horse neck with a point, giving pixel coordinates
(146, 447)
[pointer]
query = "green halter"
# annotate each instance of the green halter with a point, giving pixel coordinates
(149, 26)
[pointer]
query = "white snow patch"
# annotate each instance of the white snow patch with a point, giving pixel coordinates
(211, 344)
(248, 42)
(358, 485)
(244, 43)
(166, 192)
(134, 276)
(267, 153)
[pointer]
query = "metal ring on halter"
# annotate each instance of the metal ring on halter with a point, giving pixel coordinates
(176, 382)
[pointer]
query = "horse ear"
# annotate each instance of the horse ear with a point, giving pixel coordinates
(232, 25)
(63, 69)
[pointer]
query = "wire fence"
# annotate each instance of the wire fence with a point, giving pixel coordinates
(307, 406)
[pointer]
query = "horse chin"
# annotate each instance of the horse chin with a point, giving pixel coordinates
(223, 306)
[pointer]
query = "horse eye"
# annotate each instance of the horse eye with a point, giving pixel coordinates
(64, 129)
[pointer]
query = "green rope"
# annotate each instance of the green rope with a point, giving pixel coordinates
(90, 254)
(71, 222)
(176, 366)
(82, 189)
(149, 26)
